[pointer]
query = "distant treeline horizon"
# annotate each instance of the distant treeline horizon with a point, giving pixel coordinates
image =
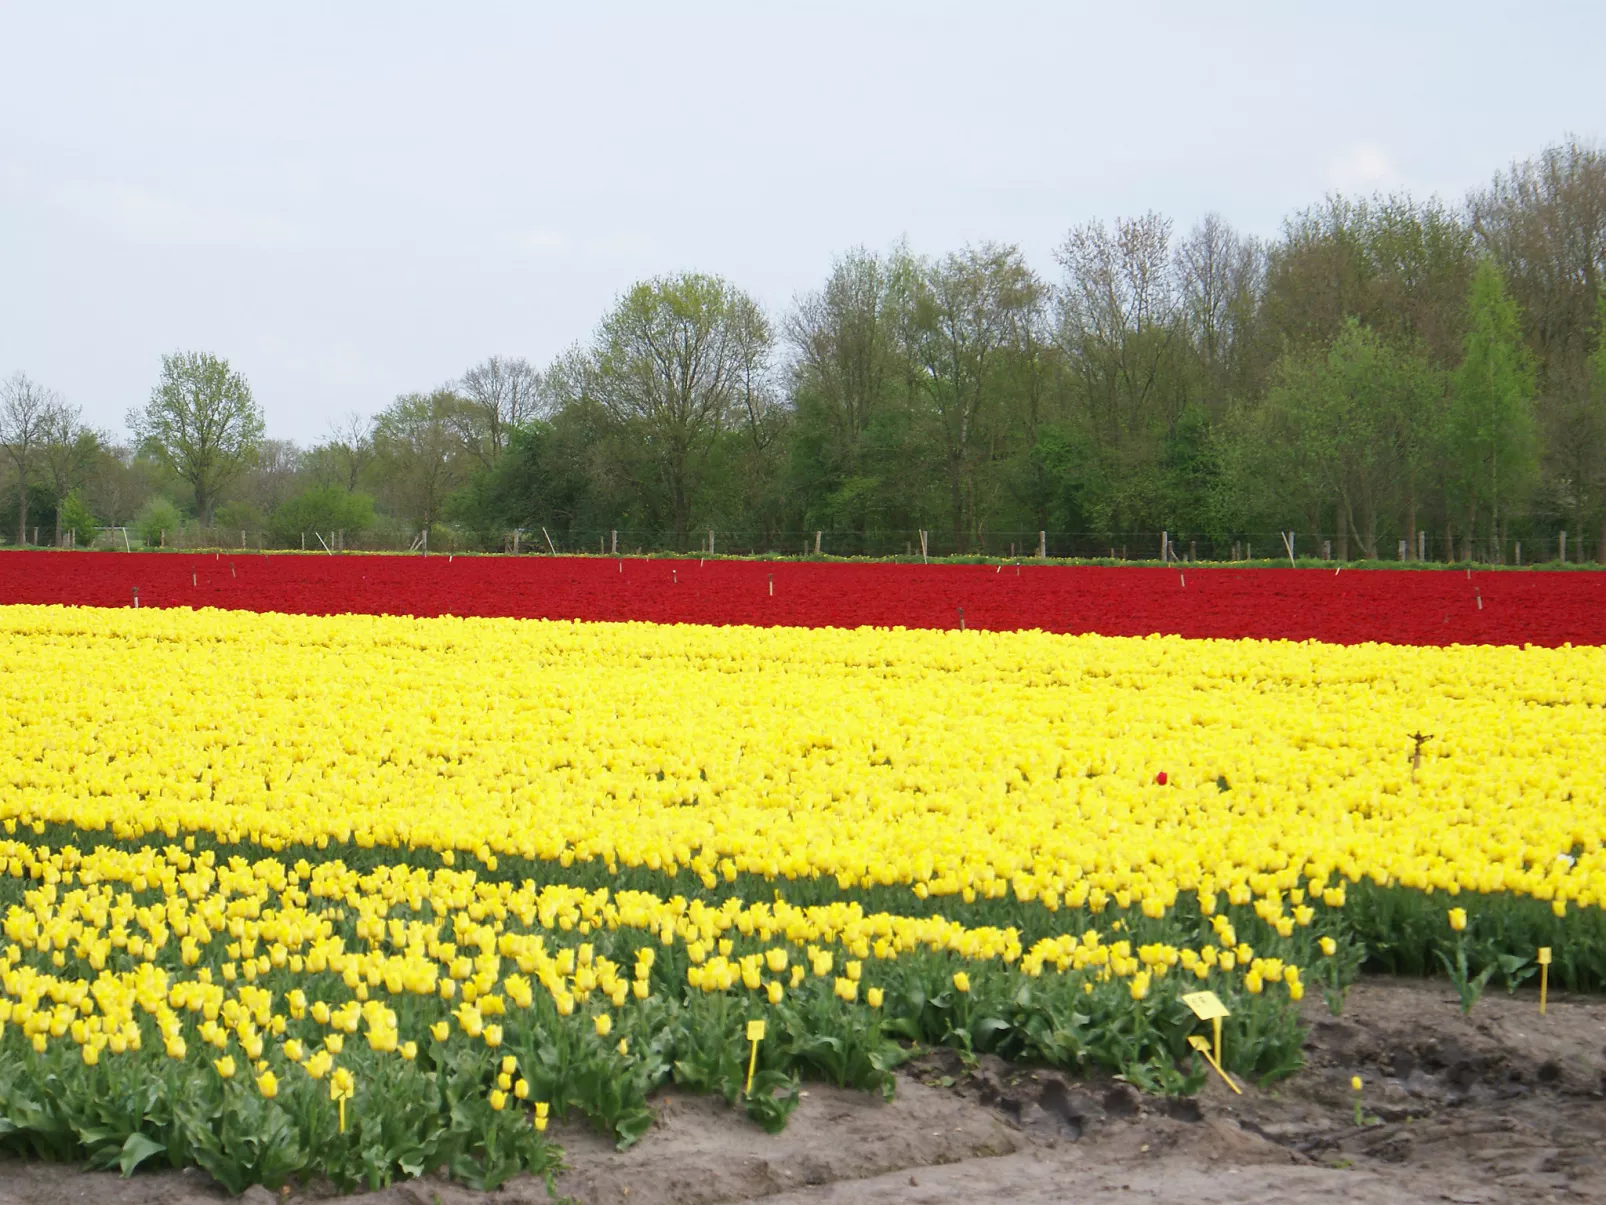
(1387, 377)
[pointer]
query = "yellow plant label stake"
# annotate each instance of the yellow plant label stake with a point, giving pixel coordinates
(1544, 977)
(755, 1035)
(1207, 1006)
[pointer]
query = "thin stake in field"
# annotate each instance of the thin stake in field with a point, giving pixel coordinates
(1421, 738)
(755, 1035)
(1544, 977)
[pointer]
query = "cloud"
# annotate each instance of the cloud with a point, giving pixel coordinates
(150, 217)
(1364, 167)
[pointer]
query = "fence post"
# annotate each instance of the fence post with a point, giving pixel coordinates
(1042, 545)
(1327, 550)
(710, 541)
(816, 543)
(1564, 548)
(1519, 553)
(1422, 545)
(616, 541)
(1165, 547)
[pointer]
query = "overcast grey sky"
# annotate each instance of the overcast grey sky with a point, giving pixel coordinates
(349, 201)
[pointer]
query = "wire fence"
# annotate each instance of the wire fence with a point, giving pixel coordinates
(906, 544)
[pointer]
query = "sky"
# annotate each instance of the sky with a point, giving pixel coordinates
(352, 201)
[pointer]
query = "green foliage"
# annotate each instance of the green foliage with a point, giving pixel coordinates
(326, 509)
(158, 515)
(203, 423)
(1490, 431)
(76, 518)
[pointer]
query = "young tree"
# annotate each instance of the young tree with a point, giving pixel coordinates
(203, 424)
(1490, 429)
(25, 409)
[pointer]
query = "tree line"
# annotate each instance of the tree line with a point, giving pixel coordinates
(1389, 376)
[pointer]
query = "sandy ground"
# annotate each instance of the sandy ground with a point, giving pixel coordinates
(1501, 1106)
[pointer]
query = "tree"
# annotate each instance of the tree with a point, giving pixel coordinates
(1346, 427)
(345, 454)
(667, 367)
(203, 423)
(1544, 223)
(1123, 337)
(975, 305)
(119, 483)
(498, 395)
(418, 455)
(1490, 429)
(856, 457)
(68, 453)
(25, 410)
(73, 514)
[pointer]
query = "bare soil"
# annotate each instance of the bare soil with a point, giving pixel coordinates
(1500, 1106)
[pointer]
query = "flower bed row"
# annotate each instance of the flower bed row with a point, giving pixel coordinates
(980, 764)
(1398, 607)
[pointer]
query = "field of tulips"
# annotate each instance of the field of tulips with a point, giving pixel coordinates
(289, 889)
(1445, 606)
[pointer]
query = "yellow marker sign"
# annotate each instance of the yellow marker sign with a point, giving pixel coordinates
(1207, 1006)
(1544, 977)
(1203, 1047)
(755, 1035)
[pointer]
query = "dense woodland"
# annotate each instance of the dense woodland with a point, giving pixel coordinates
(1387, 374)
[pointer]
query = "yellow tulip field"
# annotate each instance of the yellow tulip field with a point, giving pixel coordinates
(365, 895)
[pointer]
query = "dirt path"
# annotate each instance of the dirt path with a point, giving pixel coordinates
(1501, 1106)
